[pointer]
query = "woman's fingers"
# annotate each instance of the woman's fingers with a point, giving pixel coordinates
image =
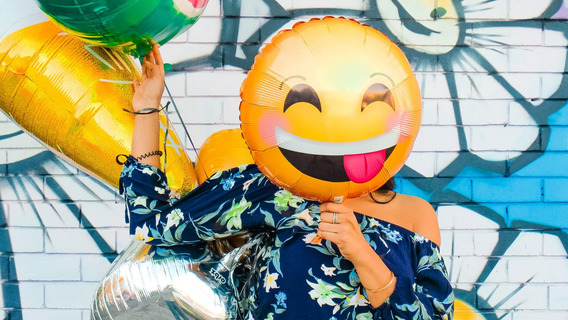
(329, 227)
(152, 64)
(157, 55)
(327, 217)
(333, 207)
(329, 236)
(158, 59)
(146, 70)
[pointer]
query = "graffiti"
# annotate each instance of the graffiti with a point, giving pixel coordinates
(490, 155)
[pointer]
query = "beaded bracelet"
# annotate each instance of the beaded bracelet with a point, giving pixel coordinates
(149, 154)
(385, 287)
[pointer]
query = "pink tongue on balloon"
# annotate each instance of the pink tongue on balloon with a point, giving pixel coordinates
(364, 167)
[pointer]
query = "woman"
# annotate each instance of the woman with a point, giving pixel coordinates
(383, 264)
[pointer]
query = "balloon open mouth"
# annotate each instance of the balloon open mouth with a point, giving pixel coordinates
(358, 161)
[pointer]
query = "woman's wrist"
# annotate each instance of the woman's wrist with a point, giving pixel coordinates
(364, 256)
(385, 287)
(146, 104)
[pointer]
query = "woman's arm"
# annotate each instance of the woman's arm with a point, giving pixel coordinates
(375, 276)
(427, 294)
(147, 95)
(235, 200)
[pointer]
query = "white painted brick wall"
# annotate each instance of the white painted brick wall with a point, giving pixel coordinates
(95, 267)
(65, 228)
(211, 83)
(27, 239)
(46, 267)
(38, 214)
(102, 214)
(50, 314)
(76, 295)
(57, 240)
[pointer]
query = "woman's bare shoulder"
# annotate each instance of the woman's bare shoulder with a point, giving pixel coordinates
(421, 215)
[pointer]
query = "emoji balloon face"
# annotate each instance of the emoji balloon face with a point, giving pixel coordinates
(330, 109)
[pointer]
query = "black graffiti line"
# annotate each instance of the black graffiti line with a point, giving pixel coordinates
(15, 300)
(11, 135)
(84, 222)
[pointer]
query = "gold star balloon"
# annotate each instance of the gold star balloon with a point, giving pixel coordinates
(70, 96)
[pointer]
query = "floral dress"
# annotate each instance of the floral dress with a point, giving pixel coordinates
(296, 279)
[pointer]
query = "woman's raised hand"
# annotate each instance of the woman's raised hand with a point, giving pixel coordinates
(339, 225)
(149, 89)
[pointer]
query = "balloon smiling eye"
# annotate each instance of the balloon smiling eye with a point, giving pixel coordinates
(302, 93)
(377, 92)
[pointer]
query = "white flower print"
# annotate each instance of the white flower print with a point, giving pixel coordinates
(147, 171)
(140, 201)
(358, 299)
(142, 234)
(305, 215)
(270, 281)
(328, 271)
(323, 293)
(391, 235)
(373, 223)
(309, 237)
(419, 238)
(364, 316)
(174, 219)
(248, 183)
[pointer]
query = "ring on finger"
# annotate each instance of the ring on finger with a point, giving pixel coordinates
(334, 220)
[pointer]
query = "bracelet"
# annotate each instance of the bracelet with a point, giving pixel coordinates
(149, 154)
(385, 287)
(147, 110)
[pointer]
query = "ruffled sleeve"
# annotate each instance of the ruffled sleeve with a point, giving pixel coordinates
(427, 295)
(231, 201)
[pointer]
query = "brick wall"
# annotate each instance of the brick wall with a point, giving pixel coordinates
(491, 156)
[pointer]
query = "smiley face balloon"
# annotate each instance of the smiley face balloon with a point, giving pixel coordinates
(330, 109)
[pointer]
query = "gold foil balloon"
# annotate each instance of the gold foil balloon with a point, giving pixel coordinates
(223, 150)
(128, 25)
(464, 311)
(330, 109)
(70, 96)
(197, 282)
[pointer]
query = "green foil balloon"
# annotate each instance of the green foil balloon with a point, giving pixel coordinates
(131, 26)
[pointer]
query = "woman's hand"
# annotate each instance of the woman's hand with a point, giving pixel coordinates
(345, 232)
(148, 94)
(148, 90)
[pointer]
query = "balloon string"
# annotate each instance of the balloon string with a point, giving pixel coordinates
(182, 123)
(166, 137)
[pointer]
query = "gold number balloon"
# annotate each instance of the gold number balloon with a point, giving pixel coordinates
(330, 109)
(70, 96)
(223, 150)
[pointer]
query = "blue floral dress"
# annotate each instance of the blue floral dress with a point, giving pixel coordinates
(296, 279)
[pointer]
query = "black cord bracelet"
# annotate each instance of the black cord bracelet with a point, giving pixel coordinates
(149, 154)
(147, 110)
